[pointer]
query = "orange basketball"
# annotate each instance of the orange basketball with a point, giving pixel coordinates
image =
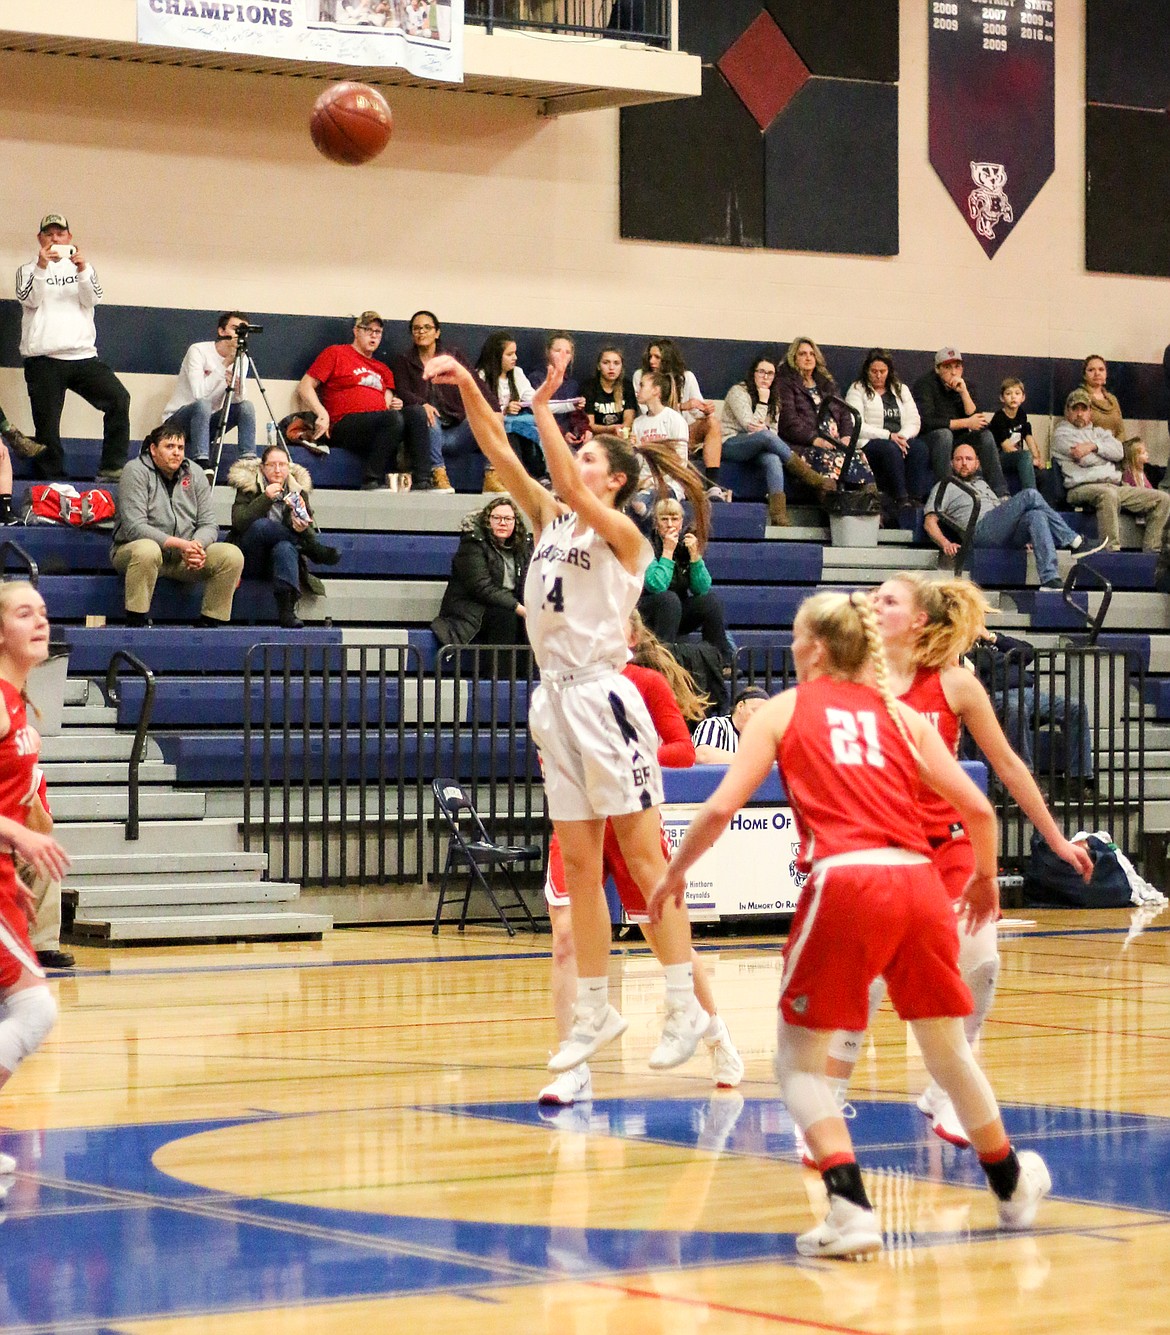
(351, 123)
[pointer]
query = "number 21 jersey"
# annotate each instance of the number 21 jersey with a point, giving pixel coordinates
(578, 597)
(848, 772)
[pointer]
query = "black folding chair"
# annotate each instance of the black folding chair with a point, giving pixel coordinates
(477, 853)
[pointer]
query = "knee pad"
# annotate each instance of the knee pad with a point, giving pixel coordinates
(800, 1069)
(981, 980)
(28, 1016)
(845, 1045)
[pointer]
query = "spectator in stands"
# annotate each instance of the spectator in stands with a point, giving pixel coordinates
(1012, 432)
(717, 739)
(609, 394)
(13, 438)
(748, 421)
(704, 432)
(358, 408)
(950, 418)
(196, 402)
(1135, 458)
(58, 341)
(889, 430)
(166, 526)
(481, 603)
(677, 597)
(657, 422)
(497, 367)
(1090, 460)
(449, 433)
(569, 405)
(813, 419)
(1103, 406)
(272, 524)
(1012, 523)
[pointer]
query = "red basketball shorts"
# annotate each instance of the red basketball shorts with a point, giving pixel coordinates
(857, 921)
(16, 952)
(613, 865)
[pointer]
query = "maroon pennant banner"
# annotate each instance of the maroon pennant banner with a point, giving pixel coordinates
(992, 108)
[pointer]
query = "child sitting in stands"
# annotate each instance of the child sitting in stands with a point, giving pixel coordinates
(1136, 457)
(1012, 430)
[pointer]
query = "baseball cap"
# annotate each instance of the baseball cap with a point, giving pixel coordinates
(947, 355)
(1080, 396)
(370, 317)
(54, 220)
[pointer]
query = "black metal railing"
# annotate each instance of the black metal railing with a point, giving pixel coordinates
(335, 759)
(1083, 576)
(646, 21)
(10, 545)
(1072, 714)
(123, 657)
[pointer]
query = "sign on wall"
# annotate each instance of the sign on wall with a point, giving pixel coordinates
(992, 108)
(423, 36)
(751, 869)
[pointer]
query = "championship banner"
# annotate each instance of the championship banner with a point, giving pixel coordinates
(992, 108)
(422, 36)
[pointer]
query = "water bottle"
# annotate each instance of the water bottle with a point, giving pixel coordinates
(272, 436)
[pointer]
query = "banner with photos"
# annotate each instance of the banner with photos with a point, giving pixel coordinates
(993, 108)
(422, 36)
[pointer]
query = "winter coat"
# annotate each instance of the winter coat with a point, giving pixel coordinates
(252, 504)
(477, 580)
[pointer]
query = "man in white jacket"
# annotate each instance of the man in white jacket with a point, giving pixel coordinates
(58, 341)
(197, 401)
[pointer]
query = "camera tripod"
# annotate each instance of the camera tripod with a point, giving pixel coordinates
(240, 366)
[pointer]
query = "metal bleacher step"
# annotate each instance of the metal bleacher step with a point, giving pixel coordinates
(91, 744)
(276, 922)
(125, 898)
(96, 804)
(77, 690)
(156, 840)
(63, 772)
(159, 868)
(89, 716)
(878, 558)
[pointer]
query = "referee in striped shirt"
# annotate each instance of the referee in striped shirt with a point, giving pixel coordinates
(717, 739)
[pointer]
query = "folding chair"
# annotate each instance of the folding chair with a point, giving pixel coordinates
(478, 852)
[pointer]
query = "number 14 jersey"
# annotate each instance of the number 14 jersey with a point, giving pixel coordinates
(849, 773)
(578, 597)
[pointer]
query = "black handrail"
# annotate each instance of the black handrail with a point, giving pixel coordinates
(11, 545)
(138, 750)
(1093, 624)
(968, 538)
(646, 21)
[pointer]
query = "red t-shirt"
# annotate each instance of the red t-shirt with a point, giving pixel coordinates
(350, 383)
(19, 777)
(675, 748)
(848, 772)
(926, 696)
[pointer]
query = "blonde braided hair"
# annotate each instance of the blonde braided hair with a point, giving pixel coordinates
(847, 626)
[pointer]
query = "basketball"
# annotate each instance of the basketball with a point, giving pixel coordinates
(351, 123)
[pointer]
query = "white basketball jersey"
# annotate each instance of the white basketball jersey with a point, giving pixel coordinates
(578, 597)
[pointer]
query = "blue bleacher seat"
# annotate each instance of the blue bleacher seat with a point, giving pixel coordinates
(764, 562)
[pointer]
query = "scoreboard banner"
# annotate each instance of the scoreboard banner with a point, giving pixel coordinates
(992, 108)
(422, 36)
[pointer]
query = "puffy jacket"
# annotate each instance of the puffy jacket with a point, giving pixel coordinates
(477, 579)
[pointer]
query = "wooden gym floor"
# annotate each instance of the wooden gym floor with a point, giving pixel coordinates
(343, 1136)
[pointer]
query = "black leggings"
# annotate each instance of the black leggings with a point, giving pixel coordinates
(670, 616)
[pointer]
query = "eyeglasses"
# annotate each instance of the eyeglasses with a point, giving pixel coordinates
(421, 328)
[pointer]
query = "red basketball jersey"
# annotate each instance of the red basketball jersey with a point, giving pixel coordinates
(850, 776)
(927, 697)
(18, 758)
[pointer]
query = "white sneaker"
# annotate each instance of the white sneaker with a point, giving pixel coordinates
(7, 1165)
(592, 1030)
(848, 1230)
(317, 447)
(726, 1063)
(572, 1086)
(686, 1023)
(1080, 550)
(928, 1101)
(1035, 1183)
(946, 1124)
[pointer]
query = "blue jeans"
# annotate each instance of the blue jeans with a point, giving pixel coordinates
(1027, 517)
(1020, 463)
(451, 441)
(762, 447)
(200, 424)
(1019, 707)
(941, 445)
(270, 552)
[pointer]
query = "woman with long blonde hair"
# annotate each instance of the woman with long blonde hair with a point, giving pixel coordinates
(27, 1008)
(854, 760)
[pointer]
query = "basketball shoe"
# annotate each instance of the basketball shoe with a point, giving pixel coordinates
(572, 1086)
(848, 1230)
(686, 1023)
(1035, 1183)
(726, 1063)
(592, 1029)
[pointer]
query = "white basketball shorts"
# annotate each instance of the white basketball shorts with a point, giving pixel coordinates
(598, 748)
